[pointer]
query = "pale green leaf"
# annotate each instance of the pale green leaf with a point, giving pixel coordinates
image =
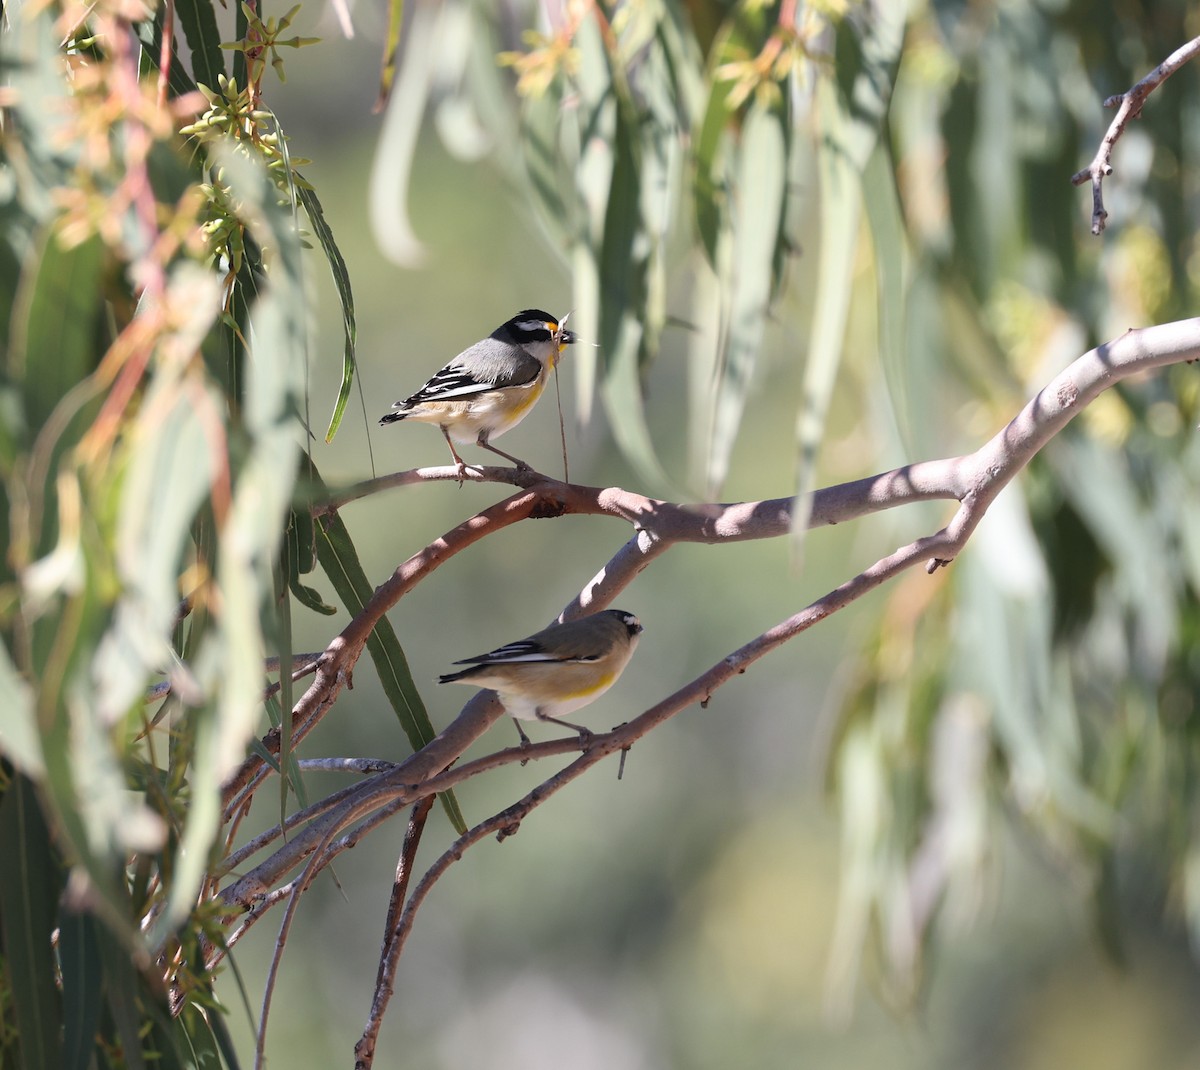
(850, 112)
(891, 281)
(761, 187)
(20, 741)
(54, 323)
(622, 269)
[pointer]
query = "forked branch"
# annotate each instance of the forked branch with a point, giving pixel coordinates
(973, 480)
(1129, 106)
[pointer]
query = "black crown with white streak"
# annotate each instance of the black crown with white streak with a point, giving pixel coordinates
(531, 325)
(631, 622)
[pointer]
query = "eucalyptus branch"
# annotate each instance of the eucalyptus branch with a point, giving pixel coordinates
(389, 956)
(1129, 106)
(974, 480)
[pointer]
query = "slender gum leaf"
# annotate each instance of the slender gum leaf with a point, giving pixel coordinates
(57, 308)
(542, 155)
(121, 991)
(30, 883)
(761, 191)
(391, 49)
(341, 280)
(621, 297)
(851, 114)
(891, 281)
(82, 986)
(339, 559)
(199, 23)
(740, 36)
(20, 741)
(149, 33)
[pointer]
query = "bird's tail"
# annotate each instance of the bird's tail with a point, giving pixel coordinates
(450, 677)
(392, 417)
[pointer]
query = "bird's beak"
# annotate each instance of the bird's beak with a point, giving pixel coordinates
(562, 335)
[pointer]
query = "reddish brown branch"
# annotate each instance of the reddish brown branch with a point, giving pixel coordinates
(389, 957)
(973, 479)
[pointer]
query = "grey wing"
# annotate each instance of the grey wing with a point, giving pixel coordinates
(487, 365)
(523, 650)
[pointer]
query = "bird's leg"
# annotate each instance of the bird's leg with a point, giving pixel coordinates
(462, 465)
(585, 734)
(522, 465)
(525, 744)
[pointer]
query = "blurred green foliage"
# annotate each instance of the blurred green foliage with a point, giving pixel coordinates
(882, 194)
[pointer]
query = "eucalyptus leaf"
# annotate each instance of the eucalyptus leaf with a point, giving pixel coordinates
(761, 172)
(82, 987)
(341, 280)
(339, 559)
(851, 109)
(20, 740)
(54, 326)
(622, 286)
(30, 884)
(199, 23)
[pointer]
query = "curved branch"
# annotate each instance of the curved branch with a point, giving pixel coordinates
(973, 479)
(1129, 106)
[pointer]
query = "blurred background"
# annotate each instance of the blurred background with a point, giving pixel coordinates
(733, 899)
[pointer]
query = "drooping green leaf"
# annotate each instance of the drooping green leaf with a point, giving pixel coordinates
(300, 559)
(150, 34)
(546, 168)
(851, 110)
(741, 35)
(30, 883)
(57, 308)
(390, 175)
(339, 559)
(391, 49)
(622, 280)
(82, 987)
(341, 281)
(122, 988)
(891, 275)
(761, 171)
(167, 480)
(203, 1043)
(20, 741)
(199, 22)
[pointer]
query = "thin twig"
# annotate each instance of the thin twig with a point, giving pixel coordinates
(364, 1050)
(1129, 106)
